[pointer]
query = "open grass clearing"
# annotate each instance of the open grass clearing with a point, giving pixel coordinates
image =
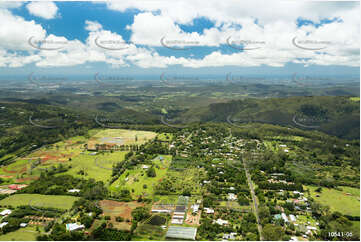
(138, 182)
(39, 200)
(23, 234)
(346, 201)
(98, 167)
(121, 137)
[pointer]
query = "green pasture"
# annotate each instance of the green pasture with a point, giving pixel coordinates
(346, 201)
(135, 179)
(39, 200)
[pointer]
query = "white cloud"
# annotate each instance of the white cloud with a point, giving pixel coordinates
(185, 11)
(15, 31)
(47, 10)
(275, 26)
(92, 25)
(10, 4)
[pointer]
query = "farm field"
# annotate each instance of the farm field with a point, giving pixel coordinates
(16, 172)
(120, 137)
(137, 178)
(98, 167)
(28, 168)
(72, 151)
(122, 209)
(23, 234)
(38, 200)
(345, 201)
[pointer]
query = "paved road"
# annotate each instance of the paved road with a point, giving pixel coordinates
(250, 184)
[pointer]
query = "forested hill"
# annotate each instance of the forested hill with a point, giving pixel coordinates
(338, 116)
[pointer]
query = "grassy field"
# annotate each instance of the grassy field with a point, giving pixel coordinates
(23, 234)
(355, 99)
(97, 166)
(137, 178)
(121, 137)
(165, 137)
(165, 199)
(72, 151)
(38, 200)
(27, 169)
(346, 201)
(230, 204)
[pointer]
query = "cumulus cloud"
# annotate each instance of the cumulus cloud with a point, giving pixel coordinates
(10, 4)
(273, 27)
(92, 25)
(47, 10)
(276, 26)
(15, 31)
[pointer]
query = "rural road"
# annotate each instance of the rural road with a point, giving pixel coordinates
(255, 205)
(250, 184)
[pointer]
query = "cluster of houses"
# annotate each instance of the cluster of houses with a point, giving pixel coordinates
(307, 228)
(301, 205)
(69, 227)
(225, 150)
(5, 213)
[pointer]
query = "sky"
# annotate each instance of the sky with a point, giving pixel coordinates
(194, 37)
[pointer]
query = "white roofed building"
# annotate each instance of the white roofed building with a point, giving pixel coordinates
(74, 226)
(5, 212)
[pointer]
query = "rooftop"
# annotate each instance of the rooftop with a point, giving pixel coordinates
(177, 232)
